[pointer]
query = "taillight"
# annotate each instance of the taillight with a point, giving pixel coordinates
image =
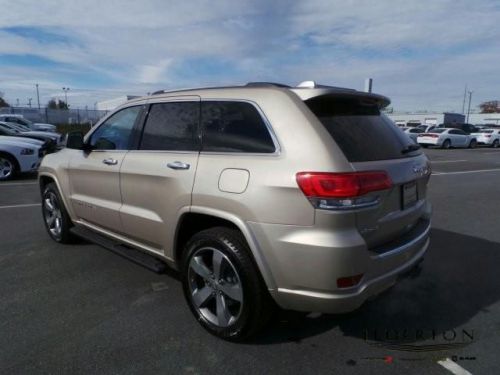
(430, 135)
(342, 190)
(488, 136)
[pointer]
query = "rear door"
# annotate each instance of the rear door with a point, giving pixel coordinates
(157, 178)
(94, 176)
(371, 142)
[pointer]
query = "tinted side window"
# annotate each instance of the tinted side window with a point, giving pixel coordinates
(172, 126)
(234, 127)
(115, 133)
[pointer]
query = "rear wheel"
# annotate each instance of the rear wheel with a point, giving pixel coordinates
(56, 218)
(7, 167)
(446, 144)
(222, 285)
(495, 143)
(473, 144)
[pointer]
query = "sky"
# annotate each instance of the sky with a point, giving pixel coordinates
(420, 53)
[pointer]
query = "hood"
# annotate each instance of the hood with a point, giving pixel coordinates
(23, 141)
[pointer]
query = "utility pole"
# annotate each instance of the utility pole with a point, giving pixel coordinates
(468, 109)
(37, 96)
(463, 104)
(66, 89)
(29, 102)
(368, 85)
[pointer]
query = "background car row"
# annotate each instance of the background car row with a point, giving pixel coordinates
(453, 135)
(23, 145)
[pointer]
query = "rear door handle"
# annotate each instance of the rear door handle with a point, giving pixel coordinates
(110, 161)
(178, 165)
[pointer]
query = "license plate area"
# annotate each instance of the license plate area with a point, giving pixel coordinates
(409, 195)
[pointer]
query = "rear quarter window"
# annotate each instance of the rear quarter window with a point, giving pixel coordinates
(234, 127)
(361, 131)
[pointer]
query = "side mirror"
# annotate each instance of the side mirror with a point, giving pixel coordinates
(74, 140)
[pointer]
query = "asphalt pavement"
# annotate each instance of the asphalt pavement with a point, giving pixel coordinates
(80, 309)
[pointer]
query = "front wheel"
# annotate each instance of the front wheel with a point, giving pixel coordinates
(222, 285)
(495, 143)
(56, 218)
(7, 167)
(473, 144)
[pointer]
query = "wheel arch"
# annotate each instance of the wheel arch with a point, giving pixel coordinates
(45, 178)
(195, 219)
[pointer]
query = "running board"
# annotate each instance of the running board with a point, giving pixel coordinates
(148, 261)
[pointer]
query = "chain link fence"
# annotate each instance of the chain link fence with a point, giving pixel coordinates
(57, 116)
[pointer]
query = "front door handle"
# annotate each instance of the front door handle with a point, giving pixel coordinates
(178, 165)
(110, 161)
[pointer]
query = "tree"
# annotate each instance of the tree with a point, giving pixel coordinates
(3, 103)
(57, 104)
(492, 106)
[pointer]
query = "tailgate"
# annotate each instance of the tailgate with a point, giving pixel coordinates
(401, 207)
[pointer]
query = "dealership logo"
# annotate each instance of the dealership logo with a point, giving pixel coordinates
(418, 340)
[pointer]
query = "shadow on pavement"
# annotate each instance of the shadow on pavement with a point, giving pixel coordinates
(460, 277)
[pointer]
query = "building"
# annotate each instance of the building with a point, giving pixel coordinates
(436, 118)
(109, 105)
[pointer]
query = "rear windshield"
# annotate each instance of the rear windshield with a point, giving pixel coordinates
(360, 130)
(437, 130)
(486, 131)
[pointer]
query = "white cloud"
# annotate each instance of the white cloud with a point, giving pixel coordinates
(421, 53)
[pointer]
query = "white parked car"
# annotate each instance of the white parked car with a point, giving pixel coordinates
(489, 137)
(19, 155)
(413, 133)
(27, 124)
(426, 127)
(447, 138)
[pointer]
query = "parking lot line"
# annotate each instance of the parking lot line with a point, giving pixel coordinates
(466, 172)
(446, 161)
(453, 367)
(22, 205)
(18, 183)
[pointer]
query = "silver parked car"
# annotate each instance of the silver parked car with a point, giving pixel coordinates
(303, 197)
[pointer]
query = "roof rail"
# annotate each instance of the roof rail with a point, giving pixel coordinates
(266, 84)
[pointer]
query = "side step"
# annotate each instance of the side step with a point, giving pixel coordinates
(125, 251)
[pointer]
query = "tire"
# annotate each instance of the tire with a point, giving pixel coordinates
(446, 144)
(473, 144)
(495, 143)
(56, 219)
(8, 167)
(425, 146)
(246, 307)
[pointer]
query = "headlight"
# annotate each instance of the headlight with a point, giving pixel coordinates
(27, 151)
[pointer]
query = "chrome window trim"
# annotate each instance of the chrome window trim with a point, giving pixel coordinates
(267, 123)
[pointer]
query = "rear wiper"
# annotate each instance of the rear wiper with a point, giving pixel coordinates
(410, 148)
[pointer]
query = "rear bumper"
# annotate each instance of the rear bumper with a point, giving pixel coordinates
(336, 303)
(430, 142)
(306, 261)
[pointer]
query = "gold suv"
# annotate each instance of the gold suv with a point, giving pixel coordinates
(307, 198)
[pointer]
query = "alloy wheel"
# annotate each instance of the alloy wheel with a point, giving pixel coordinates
(215, 287)
(6, 168)
(52, 214)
